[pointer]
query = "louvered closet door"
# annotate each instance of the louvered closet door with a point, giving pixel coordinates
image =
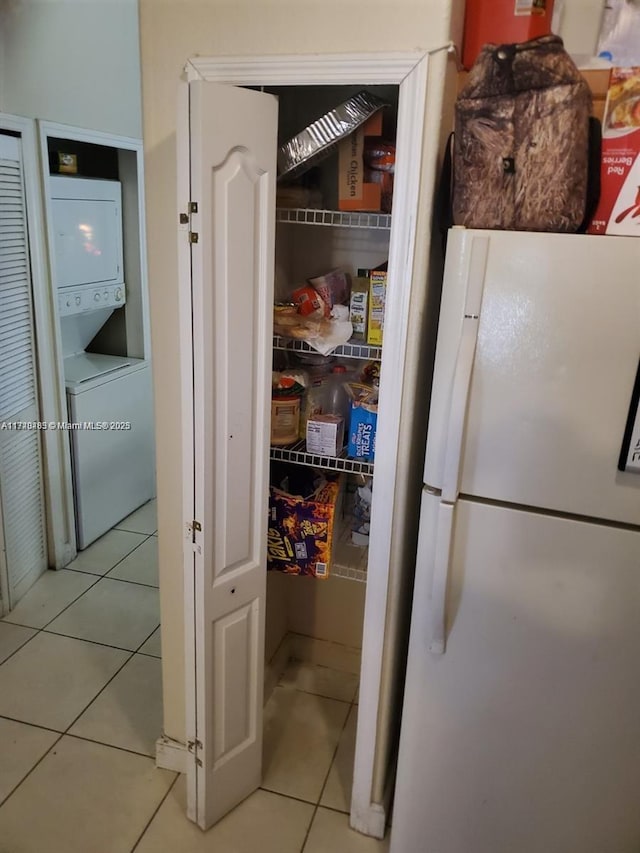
(21, 485)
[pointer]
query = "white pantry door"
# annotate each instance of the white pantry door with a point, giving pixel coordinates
(232, 154)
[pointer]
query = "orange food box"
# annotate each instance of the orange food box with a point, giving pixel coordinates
(353, 192)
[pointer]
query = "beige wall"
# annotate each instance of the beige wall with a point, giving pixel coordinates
(171, 31)
(72, 61)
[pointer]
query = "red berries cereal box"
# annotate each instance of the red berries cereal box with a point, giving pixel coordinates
(618, 211)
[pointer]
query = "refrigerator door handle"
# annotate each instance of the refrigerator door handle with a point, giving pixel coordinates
(442, 558)
(455, 435)
(463, 369)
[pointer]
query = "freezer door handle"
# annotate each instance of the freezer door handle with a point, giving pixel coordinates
(442, 558)
(463, 369)
(630, 453)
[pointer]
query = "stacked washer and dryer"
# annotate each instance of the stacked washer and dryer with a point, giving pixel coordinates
(109, 397)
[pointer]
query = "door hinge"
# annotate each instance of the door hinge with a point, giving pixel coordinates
(193, 746)
(193, 236)
(185, 219)
(195, 527)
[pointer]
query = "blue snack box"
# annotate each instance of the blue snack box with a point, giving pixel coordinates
(362, 431)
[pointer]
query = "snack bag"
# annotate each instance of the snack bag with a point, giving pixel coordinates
(333, 288)
(308, 301)
(300, 535)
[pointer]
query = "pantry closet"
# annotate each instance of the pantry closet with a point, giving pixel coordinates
(232, 238)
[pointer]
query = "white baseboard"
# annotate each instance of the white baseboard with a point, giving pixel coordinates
(371, 822)
(276, 666)
(171, 754)
(376, 818)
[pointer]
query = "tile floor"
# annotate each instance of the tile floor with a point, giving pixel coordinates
(80, 709)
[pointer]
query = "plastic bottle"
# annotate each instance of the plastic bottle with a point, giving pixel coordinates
(315, 400)
(338, 401)
(359, 307)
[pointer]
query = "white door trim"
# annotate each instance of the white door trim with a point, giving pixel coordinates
(300, 70)
(185, 323)
(408, 71)
(4, 572)
(52, 406)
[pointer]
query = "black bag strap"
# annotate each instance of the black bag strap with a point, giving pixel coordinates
(593, 173)
(444, 196)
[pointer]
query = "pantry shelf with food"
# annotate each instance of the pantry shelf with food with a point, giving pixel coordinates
(354, 349)
(330, 293)
(297, 454)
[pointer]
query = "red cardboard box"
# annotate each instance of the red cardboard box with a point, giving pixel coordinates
(618, 210)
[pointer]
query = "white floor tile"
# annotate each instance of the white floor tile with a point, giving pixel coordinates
(325, 653)
(300, 736)
(263, 823)
(320, 680)
(12, 637)
(105, 552)
(82, 798)
(112, 612)
(152, 646)
(141, 565)
(143, 520)
(20, 747)
(49, 596)
(330, 833)
(337, 791)
(128, 712)
(52, 679)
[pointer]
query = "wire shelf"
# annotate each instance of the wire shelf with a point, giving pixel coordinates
(348, 561)
(297, 453)
(334, 218)
(348, 350)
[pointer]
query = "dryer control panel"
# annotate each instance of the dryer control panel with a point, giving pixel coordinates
(90, 299)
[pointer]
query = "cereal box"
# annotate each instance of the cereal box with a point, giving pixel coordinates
(362, 431)
(618, 211)
(377, 299)
(354, 192)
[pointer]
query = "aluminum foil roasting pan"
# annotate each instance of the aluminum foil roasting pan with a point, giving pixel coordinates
(317, 141)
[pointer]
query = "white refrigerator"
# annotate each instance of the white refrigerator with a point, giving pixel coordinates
(521, 719)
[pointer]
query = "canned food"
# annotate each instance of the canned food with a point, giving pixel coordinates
(285, 420)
